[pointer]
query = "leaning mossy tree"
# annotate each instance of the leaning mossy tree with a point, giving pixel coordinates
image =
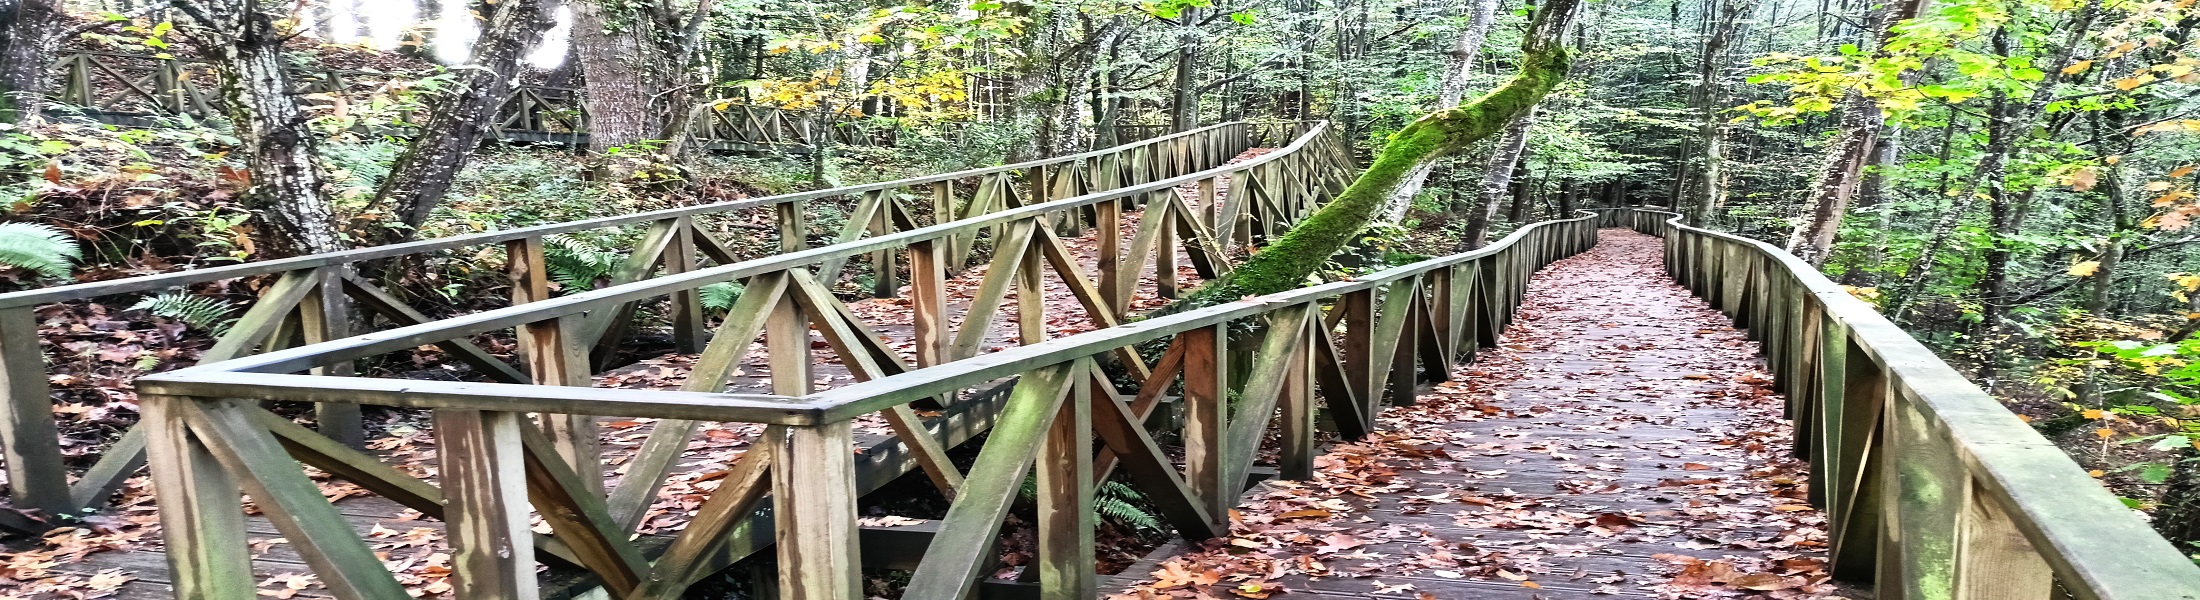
(1288, 262)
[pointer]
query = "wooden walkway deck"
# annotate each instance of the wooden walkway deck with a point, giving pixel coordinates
(1622, 434)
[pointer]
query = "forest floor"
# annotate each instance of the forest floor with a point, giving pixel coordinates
(1621, 440)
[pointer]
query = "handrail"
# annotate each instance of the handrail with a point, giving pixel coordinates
(1930, 484)
(812, 475)
(315, 290)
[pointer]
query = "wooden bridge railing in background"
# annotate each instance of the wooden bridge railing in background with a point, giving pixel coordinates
(209, 439)
(1932, 488)
(312, 298)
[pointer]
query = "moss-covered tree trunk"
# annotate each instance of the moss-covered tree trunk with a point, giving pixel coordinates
(1287, 263)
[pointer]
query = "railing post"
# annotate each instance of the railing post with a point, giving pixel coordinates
(324, 316)
(814, 513)
(555, 357)
(32, 444)
(1206, 403)
(202, 525)
(484, 485)
(1921, 505)
(1066, 549)
(687, 307)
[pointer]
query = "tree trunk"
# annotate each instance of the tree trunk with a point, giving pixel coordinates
(1710, 129)
(1497, 178)
(285, 183)
(457, 121)
(1856, 147)
(1184, 109)
(1450, 92)
(1288, 262)
(619, 71)
(2019, 119)
(26, 47)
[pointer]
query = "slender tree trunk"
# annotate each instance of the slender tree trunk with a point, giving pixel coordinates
(1711, 130)
(1855, 147)
(2021, 119)
(1450, 92)
(1184, 109)
(1497, 181)
(458, 120)
(285, 188)
(26, 47)
(619, 71)
(1300, 252)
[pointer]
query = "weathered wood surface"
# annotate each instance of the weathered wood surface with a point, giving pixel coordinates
(1591, 404)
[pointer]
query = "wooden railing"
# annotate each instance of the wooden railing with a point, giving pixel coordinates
(208, 438)
(1932, 488)
(313, 296)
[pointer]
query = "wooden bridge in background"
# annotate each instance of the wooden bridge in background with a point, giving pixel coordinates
(1931, 488)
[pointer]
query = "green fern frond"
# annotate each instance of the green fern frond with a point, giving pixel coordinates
(576, 264)
(719, 297)
(197, 311)
(1124, 505)
(38, 248)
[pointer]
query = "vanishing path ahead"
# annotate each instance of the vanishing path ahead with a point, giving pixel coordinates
(1621, 440)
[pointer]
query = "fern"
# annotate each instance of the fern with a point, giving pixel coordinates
(1112, 501)
(197, 311)
(37, 248)
(576, 264)
(719, 297)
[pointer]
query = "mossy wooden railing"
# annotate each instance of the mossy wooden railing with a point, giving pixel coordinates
(208, 438)
(1932, 488)
(311, 297)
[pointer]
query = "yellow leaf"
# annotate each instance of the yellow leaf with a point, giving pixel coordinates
(2077, 67)
(2095, 413)
(2085, 269)
(2105, 433)
(2181, 172)
(2096, 473)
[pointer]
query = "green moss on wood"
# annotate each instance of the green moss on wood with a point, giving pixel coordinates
(1286, 263)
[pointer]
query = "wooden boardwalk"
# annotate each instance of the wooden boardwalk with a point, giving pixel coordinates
(1622, 434)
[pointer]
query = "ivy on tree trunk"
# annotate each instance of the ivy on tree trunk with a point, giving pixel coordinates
(1286, 263)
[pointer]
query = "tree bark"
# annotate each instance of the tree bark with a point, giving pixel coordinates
(1294, 257)
(458, 120)
(1711, 130)
(619, 71)
(1855, 148)
(285, 183)
(26, 47)
(1497, 178)
(1450, 92)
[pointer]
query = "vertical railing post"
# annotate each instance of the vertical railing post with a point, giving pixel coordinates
(554, 358)
(326, 315)
(1064, 472)
(928, 301)
(202, 524)
(814, 513)
(1206, 403)
(687, 305)
(484, 484)
(28, 436)
(1921, 508)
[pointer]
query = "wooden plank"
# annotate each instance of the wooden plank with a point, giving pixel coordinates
(1008, 257)
(963, 551)
(1296, 444)
(1067, 554)
(482, 467)
(814, 506)
(202, 527)
(1995, 559)
(291, 501)
(1031, 302)
(928, 302)
(1108, 232)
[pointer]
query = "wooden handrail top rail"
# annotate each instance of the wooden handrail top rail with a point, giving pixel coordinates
(2096, 547)
(360, 346)
(80, 291)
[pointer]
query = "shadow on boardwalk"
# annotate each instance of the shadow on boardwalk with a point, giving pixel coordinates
(1621, 441)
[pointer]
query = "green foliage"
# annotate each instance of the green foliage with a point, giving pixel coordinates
(719, 297)
(1114, 502)
(577, 264)
(205, 313)
(38, 248)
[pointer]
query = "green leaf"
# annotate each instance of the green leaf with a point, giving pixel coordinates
(2155, 473)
